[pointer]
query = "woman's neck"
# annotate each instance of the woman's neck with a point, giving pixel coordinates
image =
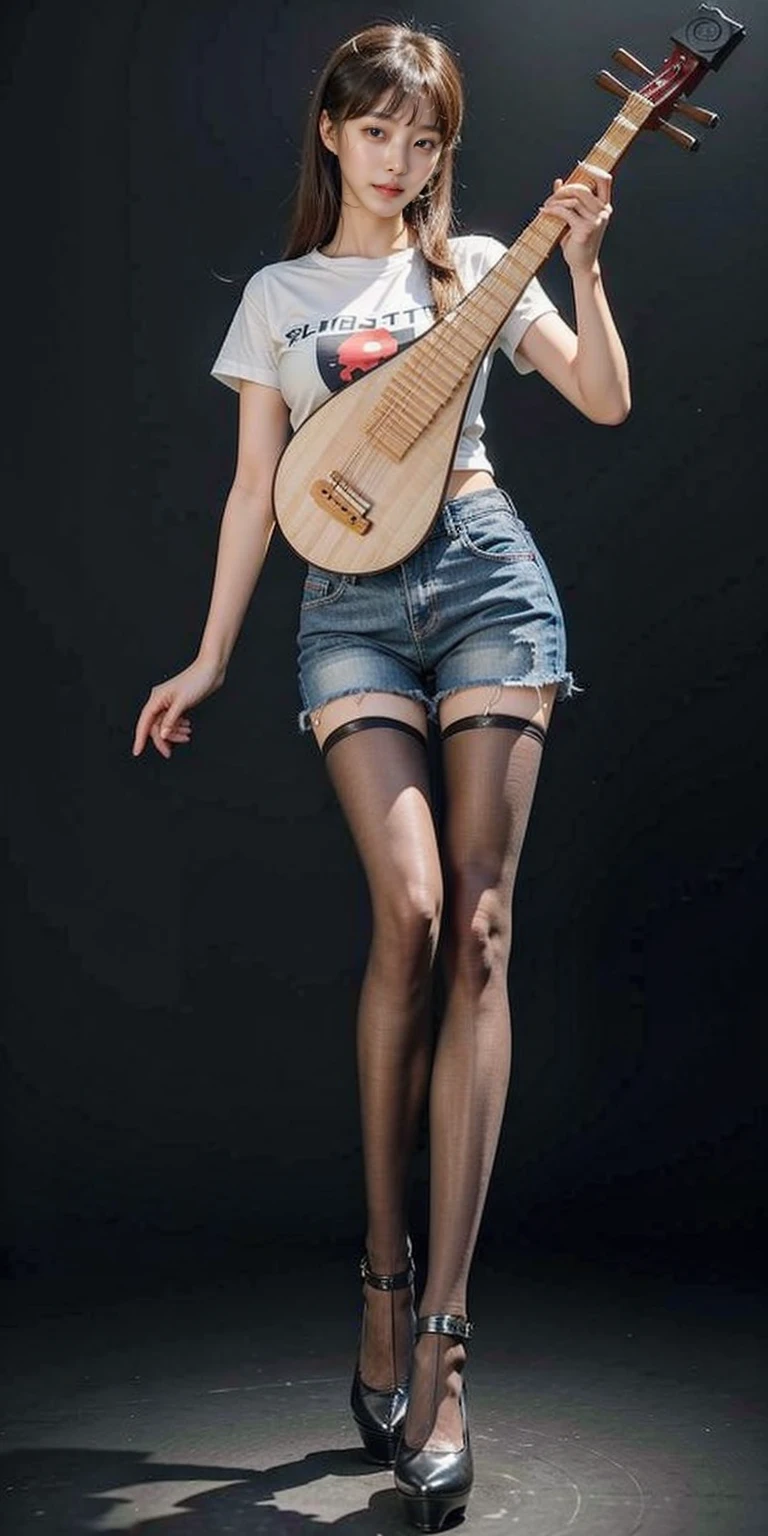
(369, 243)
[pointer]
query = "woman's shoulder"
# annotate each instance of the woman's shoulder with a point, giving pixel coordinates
(273, 274)
(476, 248)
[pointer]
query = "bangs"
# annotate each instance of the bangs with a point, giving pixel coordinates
(390, 84)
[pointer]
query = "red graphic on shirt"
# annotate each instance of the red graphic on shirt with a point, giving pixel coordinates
(343, 359)
(364, 350)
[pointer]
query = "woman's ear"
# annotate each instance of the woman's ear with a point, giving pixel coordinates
(327, 131)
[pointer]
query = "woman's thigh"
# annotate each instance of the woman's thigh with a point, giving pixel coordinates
(493, 738)
(380, 773)
(492, 748)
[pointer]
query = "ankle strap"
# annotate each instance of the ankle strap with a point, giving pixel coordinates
(398, 1282)
(445, 1322)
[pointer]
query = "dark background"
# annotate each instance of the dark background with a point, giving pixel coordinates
(185, 939)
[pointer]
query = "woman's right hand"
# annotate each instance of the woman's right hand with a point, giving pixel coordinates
(163, 716)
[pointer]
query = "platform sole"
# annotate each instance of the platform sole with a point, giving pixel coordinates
(429, 1512)
(378, 1446)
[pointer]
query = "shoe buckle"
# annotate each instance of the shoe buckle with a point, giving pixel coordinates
(388, 1282)
(447, 1323)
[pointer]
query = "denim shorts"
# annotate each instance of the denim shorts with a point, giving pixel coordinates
(474, 604)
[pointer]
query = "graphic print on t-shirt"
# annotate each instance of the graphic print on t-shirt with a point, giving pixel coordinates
(348, 346)
(342, 359)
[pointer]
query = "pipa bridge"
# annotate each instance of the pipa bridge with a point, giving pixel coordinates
(339, 499)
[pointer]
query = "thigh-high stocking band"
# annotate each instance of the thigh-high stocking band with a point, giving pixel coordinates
(366, 723)
(511, 722)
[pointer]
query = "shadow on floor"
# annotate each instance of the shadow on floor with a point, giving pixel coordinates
(74, 1491)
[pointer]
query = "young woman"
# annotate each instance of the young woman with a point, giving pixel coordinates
(467, 632)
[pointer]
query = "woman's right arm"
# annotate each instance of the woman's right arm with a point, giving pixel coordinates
(247, 525)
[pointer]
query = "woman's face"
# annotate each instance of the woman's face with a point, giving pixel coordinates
(378, 152)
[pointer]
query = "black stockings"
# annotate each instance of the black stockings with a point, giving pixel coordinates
(381, 779)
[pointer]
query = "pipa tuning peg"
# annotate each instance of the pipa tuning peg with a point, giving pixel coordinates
(698, 115)
(608, 82)
(677, 135)
(622, 56)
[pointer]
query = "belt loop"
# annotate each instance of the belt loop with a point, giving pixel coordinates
(448, 519)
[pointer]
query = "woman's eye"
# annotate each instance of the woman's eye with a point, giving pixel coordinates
(422, 143)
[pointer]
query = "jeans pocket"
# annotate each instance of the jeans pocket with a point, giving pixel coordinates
(497, 534)
(321, 587)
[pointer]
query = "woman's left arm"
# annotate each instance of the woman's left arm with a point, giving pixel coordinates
(589, 365)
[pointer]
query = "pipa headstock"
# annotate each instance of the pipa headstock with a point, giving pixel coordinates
(702, 43)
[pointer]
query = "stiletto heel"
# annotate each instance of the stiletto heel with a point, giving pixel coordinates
(380, 1414)
(436, 1484)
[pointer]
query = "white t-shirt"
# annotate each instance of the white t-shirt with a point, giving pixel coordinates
(310, 326)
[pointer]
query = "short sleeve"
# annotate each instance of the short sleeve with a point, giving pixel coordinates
(247, 351)
(533, 302)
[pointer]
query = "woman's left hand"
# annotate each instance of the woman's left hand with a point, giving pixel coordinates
(586, 211)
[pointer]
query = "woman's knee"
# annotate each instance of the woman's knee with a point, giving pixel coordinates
(481, 925)
(407, 923)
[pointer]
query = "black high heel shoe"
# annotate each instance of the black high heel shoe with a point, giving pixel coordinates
(435, 1484)
(380, 1415)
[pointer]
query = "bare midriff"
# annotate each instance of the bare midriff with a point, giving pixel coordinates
(463, 481)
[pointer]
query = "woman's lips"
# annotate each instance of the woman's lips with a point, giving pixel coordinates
(388, 191)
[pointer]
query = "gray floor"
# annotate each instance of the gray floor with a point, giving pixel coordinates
(602, 1402)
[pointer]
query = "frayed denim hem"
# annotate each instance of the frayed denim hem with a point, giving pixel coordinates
(567, 687)
(305, 715)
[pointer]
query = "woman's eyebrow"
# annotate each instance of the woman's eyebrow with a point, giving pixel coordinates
(388, 117)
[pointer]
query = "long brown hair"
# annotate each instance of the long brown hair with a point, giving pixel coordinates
(392, 61)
